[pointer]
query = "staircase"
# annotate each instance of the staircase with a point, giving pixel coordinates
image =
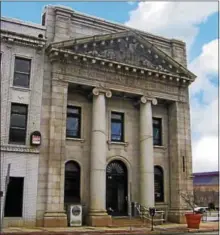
(126, 221)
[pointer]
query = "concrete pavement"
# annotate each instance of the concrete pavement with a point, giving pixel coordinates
(159, 229)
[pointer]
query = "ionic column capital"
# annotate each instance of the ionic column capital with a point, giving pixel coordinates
(145, 99)
(96, 91)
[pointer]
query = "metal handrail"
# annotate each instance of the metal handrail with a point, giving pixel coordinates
(145, 214)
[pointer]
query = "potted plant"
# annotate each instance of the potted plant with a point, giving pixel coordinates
(193, 219)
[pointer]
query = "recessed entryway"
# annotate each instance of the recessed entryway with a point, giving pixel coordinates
(116, 188)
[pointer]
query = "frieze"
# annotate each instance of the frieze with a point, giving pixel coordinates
(76, 73)
(126, 50)
(8, 148)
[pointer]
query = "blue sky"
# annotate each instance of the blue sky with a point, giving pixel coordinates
(113, 11)
(196, 23)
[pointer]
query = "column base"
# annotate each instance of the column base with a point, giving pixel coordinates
(177, 216)
(55, 219)
(101, 219)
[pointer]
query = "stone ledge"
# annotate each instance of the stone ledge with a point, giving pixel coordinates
(20, 149)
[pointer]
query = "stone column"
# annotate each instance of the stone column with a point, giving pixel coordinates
(180, 160)
(146, 153)
(55, 215)
(97, 214)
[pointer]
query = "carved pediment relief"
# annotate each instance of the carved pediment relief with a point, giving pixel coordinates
(126, 48)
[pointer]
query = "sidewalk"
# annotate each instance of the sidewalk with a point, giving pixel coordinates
(159, 229)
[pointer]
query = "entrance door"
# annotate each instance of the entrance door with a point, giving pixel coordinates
(116, 188)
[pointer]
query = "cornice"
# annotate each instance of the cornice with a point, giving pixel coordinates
(19, 149)
(16, 38)
(64, 55)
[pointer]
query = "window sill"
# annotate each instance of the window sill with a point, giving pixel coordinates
(20, 88)
(123, 144)
(117, 143)
(160, 147)
(76, 139)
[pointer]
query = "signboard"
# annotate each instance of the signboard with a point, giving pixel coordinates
(35, 138)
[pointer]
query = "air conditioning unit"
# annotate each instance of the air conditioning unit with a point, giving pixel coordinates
(75, 215)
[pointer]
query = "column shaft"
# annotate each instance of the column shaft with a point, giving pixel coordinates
(146, 156)
(98, 155)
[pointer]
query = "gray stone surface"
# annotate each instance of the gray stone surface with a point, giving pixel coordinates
(59, 79)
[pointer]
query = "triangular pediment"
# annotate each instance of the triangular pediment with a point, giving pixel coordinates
(126, 47)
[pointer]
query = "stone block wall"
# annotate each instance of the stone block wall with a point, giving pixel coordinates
(22, 165)
(64, 23)
(23, 158)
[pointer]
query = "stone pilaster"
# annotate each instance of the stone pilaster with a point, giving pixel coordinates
(97, 214)
(146, 153)
(180, 159)
(55, 215)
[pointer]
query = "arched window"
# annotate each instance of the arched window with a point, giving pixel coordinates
(158, 184)
(72, 182)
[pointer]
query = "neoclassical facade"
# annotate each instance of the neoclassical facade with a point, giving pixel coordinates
(115, 121)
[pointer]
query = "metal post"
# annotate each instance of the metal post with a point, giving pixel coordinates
(130, 207)
(152, 223)
(4, 198)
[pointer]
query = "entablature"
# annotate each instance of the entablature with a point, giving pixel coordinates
(22, 39)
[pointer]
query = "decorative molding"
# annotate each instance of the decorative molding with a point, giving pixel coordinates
(124, 144)
(16, 38)
(145, 99)
(112, 65)
(97, 90)
(19, 149)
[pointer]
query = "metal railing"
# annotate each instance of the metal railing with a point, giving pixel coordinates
(145, 214)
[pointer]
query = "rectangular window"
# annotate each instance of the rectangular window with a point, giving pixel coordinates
(22, 72)
(14, 197)
(73, 125)
(117, 127)
(18, 124)
(157, 131)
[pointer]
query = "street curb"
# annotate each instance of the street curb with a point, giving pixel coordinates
(113, 232)
(124, 232)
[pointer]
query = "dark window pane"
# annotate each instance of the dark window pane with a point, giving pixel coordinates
(72, 127)
(158, 184)
(14, 197)
(117, 116)
(21, 80)
(18, 120)
(22, 109)
(117, 126)
(22, 65)
(116, 131)
(72, 183)
(157, 131)
(72, 110)
(18, 124)
(17, 136)
(156, 121)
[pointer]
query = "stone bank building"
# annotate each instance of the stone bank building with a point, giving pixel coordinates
(110, 106)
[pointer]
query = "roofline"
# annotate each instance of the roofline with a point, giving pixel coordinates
(211, 173)
(22, 22)
(120, 26)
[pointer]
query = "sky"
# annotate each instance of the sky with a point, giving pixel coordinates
(196, 23)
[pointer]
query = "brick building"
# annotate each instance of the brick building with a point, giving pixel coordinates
(206, 188)
(114, 118)
(22, 53)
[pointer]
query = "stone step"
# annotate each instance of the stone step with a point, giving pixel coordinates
(126, 222)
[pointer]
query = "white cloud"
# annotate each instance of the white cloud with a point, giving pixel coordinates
(204, 115)
(205, 66)
(181, 20)
(131, 2)
(205, 154)
(172, 19)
